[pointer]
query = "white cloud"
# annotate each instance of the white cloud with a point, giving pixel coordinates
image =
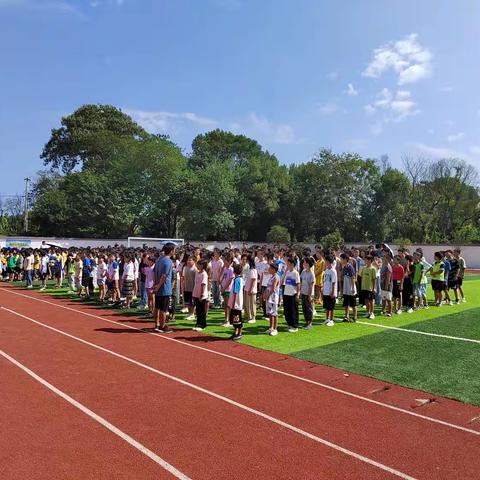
(438, 152)
(328, 109)
(456, 137)
(259, 125)
(350, 91)
(168, 122)
(407, 58)
(396, 107)
(475, 149)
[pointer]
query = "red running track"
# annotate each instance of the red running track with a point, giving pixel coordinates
(229, 420)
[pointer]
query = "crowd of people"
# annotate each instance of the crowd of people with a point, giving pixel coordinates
(194, 280)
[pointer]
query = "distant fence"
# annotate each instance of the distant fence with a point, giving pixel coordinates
(471, 253)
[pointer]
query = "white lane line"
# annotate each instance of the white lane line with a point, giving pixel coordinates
(124, 436)
(241, 406)
(264, 367)
(408, 330)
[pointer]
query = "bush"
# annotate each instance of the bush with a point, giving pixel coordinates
(278, 234)
(332, 240)
(402, 242)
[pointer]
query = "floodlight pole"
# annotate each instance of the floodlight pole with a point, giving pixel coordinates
(25, 219)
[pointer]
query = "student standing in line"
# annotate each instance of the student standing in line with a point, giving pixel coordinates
(235, 302)
(329, 289)
(226, 284)
(398, 274)
(200, 295)
(250, 299)
(44, 272)
(102, 277)
(163, 288)
(349, 288)
(217, 267)
(368, 278)
(78, 274)
(265, 278)
(291, 291)
(437, 273)
(307, 290)
(386, 285)
(128, 279)
(188, 279)
(271, 296)
(462, 266)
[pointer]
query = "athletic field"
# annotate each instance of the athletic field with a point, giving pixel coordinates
(99, 395)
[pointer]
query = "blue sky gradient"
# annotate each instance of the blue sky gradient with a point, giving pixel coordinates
(376, 77)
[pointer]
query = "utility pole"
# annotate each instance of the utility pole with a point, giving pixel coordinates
(25, 220)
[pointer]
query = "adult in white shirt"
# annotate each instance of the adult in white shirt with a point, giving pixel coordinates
(251, 291)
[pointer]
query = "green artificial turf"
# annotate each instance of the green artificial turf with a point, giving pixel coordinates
(437, 365)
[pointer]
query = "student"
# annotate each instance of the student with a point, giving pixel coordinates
(407, 293)
(349, 288)
(226, 285)
(437, 272)
(163, 288)
(318, 271)
(446, 263)
(78, 274)
(70, 270)
(128, 279)
(250, 298)
(188, 279)
(44, 272)
(235, 302)
(148, 266)
(424, 280)
(386, 285)
(418, 276)
(291, 291)
(102, 277)
(271, 297)
(398, 274)
(462, 266)
(200, 295)
(265, 278)
(453, 274)
(28, 268)
(307, 291)
(216, 267)
(368, 278)
(329, 289)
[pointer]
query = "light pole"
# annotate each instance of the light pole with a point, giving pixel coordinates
(25, 219)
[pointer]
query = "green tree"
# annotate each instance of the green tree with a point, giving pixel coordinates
(87, 138)
(278, 234)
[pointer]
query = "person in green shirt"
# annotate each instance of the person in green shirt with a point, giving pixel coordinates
(368, 280)
(417, 280)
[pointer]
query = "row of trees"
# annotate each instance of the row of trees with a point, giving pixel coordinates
(108, 177)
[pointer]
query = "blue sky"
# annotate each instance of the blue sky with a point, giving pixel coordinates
(372, 76)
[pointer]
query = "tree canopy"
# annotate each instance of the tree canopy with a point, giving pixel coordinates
(108, 177)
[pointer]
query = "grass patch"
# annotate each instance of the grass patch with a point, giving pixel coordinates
(437, 365)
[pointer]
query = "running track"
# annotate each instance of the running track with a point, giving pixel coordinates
(87, 394)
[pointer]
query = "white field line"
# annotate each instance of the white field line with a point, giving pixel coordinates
(124, 436)
(227, 400)
(408, 330)
(264, 367)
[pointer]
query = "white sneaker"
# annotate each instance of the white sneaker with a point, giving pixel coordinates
(330, 323)
(226, 324)
(372, 316)
(399, 311)
(368, 315)
(269, 331)
(190, 317)
(252, 320)
(410, 310)
(273, 333)
(464, 300)
(184, 310)
(292, 330)
(198, 329)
